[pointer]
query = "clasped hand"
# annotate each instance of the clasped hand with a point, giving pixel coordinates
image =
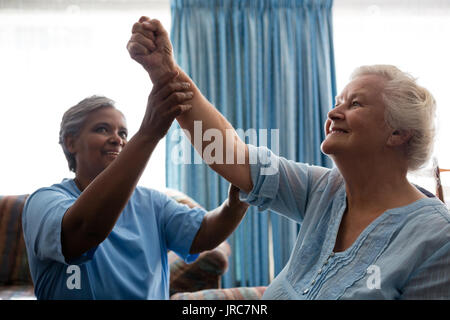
(167, 101)
(150, 46)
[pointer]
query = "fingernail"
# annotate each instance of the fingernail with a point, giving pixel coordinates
(146, 24)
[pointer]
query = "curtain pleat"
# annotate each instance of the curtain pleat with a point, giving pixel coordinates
(264, 64)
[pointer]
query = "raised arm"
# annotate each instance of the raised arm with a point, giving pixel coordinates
(150, 46)
(93, 215)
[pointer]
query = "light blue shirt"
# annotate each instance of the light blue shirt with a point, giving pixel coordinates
(403, 254)
(131, 263)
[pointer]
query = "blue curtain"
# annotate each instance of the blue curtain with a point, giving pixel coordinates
(264, 64)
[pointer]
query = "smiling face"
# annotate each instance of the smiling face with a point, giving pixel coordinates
(99, 142)
(356, 126)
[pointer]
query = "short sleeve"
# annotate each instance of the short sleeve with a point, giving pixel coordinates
(42, 220)
(181, 224)
(282, 185)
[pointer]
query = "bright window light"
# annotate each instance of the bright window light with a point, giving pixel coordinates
(411, 35)
(51, 60)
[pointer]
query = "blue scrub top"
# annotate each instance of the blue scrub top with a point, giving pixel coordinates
(131, 263)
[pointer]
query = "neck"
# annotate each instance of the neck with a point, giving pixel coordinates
(375, 185)
(82, 182)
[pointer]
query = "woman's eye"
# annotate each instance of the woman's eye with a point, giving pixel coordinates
(123, 135)
(100, 130)
(355, 104)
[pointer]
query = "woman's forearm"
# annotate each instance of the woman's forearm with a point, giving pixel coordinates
(236, 170)
(150, 46)
(92, 217)
(217, 226)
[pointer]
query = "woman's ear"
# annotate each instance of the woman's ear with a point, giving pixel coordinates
(69, 141)
(399, 137)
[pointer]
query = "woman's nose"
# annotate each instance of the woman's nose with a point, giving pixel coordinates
(116, 139)
(336, 114)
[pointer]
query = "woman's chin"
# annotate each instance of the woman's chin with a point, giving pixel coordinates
(326, 147)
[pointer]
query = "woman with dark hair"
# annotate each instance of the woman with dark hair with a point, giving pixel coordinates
(103, 226)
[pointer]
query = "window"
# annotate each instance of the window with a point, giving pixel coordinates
(52, 55)
(409, 34)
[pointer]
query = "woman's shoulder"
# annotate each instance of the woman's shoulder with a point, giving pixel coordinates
(45, 199)
(66, 188)
(435, 209)
(440, 216)
(165, 195)
(429, 220)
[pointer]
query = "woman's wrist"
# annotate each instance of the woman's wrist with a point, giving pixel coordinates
(157, 74)
(237, 205)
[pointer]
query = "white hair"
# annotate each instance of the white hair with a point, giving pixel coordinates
(408, 107)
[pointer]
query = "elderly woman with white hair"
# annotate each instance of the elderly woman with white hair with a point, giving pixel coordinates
(99, 235)
(366, 231)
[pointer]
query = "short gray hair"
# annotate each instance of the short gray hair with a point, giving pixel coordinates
(73, 121)
(408, 107)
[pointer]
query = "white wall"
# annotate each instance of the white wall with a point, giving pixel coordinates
(49, 61)
(412, 35)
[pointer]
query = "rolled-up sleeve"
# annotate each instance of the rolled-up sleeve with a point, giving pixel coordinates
(265, 182)
(281, 185)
